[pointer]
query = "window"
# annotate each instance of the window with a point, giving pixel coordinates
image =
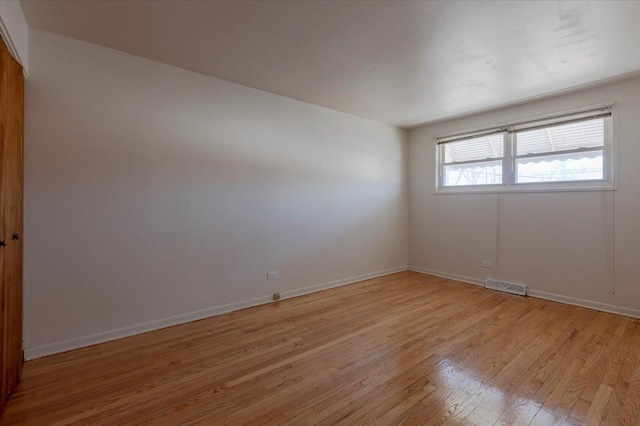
(566, 151)
(475, 161)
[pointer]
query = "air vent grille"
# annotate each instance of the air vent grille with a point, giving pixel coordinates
(507, 287)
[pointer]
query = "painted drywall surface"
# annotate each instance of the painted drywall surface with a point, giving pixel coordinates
(14, 27)
(553, 242)
(399, 62)
(153, 191)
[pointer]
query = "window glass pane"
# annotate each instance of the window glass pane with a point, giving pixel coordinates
(561, 167)
(480, 148)
(582, 134)
(481, 173)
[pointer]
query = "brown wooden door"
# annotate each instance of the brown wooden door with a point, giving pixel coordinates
(11, 189)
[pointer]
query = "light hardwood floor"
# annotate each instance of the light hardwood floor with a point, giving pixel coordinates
(407, 348)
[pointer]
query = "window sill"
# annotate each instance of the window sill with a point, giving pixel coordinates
(518, 190)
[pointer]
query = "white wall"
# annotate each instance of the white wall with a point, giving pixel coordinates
(553, 242)
(154, 194)
(14, 29)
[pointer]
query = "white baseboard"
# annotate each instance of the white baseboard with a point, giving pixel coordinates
(318, 287)
(598, 306)
(461, 278)
(106, 336)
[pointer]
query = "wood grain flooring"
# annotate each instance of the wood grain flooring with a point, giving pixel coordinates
(407, 349)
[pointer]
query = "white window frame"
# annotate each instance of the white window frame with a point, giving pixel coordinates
(509, 158)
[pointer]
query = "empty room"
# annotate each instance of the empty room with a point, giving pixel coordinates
(319, 212)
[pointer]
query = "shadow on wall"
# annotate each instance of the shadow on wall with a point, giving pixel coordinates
(166, 192)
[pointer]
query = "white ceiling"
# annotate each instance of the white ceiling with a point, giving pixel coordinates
(402, 63)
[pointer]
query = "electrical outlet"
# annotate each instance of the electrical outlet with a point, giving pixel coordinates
(272, 275)
(486, 264)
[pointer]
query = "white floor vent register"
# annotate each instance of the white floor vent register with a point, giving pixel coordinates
(507, 287)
